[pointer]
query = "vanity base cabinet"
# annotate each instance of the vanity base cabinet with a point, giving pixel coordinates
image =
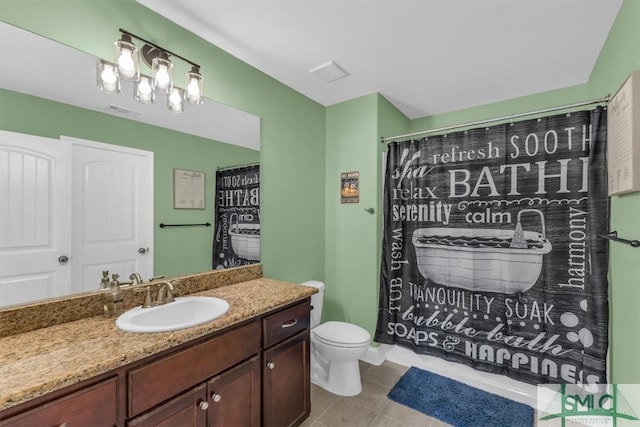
(286, 377)
(92, 405)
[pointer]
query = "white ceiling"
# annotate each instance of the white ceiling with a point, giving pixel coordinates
(71, 79)
(425, 56)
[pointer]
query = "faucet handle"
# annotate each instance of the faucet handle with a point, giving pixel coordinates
(147, 298)
(151, 279)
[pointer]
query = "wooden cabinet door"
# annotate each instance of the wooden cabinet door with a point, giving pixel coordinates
(187, 410)
(234, 396)
(285, 382)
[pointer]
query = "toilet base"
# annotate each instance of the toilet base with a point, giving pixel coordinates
(342, 378)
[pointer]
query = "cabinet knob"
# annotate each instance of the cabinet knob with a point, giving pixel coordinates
(203, 405)
(271, 365)
(62, 425)
(216, 397)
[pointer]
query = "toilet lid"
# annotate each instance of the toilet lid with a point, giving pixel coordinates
(341, 333)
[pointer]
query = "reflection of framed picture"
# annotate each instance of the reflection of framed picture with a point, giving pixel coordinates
(188, 189)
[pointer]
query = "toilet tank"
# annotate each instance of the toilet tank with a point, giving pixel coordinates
(316, 301)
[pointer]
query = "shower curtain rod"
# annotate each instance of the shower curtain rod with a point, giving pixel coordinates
(497, 119)
(238, 166)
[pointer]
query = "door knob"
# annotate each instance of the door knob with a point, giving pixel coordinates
(63, 259)
(142, 251)
(271, 365)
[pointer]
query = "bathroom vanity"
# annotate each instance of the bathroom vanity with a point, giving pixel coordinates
(250, 367)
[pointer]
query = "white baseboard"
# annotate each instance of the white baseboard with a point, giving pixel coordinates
(374, 356)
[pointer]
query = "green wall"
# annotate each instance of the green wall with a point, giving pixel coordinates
(351, 232)
(292, 125)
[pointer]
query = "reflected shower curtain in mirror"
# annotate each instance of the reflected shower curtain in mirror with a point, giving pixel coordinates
(490, 249)
(236, 240)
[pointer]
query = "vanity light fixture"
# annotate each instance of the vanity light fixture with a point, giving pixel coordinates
(126, 66)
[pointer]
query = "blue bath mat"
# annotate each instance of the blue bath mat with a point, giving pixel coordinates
(456, 403)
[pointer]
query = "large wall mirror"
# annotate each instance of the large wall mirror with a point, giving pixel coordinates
(48, 89)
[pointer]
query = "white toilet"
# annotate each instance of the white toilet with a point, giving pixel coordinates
(335, 350)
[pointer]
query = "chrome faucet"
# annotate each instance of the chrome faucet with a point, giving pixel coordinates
(165, 293)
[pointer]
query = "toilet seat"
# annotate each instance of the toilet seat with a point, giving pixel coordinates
(341, 334)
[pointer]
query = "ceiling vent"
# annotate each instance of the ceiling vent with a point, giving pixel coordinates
(329, 72)
(123, 111)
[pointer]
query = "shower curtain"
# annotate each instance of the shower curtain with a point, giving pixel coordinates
(236, 240)
(490, 249)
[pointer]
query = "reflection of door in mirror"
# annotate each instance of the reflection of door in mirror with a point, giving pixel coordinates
(47, 185)
(35, 228)
(112, 212)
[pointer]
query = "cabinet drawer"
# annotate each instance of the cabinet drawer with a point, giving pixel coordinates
(94, 405)
(285, 323)
(157, 381)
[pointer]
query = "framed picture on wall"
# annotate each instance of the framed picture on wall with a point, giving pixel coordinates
(350, 187)
(188, 189)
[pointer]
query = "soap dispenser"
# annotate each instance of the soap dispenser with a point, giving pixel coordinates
(117, 294)
(113, 297)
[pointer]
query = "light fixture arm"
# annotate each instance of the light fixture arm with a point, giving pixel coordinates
(160, 48)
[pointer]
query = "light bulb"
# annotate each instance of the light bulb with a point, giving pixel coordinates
(126, 58)
(162, 77)
(195, 86)
(175, 100)
(109, 78)
(144, 90)
(126, 64)
(193, 89)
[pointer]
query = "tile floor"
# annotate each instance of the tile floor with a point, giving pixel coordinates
(369, 408)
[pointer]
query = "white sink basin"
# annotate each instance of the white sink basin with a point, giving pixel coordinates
(183, 313)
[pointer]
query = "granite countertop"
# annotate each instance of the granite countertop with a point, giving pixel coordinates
(41, 361)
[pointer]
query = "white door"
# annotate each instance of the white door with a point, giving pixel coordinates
(35, 218)
(112, 212)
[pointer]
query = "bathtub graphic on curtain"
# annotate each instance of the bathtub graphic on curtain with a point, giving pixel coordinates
(245, 238)
(486, 260)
